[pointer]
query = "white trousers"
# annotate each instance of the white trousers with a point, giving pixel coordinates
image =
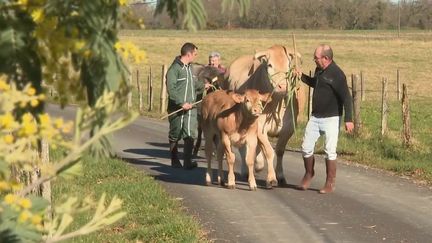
(329, 127)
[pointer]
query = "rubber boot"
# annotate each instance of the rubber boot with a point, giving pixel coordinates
(187, 153)
(309, 164)
(175, 162)
(331, 177)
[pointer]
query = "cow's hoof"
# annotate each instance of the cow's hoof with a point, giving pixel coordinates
(208, 183)
(282, 182)
(253, 188)
(231, 186)
(221, 183)
(268, 185)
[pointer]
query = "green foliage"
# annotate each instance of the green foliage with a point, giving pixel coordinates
(69, 44)
(193, 12)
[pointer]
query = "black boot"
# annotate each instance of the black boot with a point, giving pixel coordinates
(175, 162)
(187, 153)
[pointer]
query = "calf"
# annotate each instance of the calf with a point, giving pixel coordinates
(231, 118)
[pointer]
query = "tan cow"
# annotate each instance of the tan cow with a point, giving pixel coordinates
(231, 119)
(277, 119)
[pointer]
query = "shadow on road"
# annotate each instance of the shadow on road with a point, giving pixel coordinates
(164, 172)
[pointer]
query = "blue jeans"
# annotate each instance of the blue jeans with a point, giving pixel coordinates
(329, 127)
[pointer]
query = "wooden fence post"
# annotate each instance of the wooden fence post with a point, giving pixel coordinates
(356, 103)
(163, 95)
(406, 118)
(384, 107)
(150, 90)
(129, 101)
(140, 95)
(398, 86)
(362, 85)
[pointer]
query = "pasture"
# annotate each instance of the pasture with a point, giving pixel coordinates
(377, 54)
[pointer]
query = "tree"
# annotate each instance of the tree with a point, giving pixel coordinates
(73, 46)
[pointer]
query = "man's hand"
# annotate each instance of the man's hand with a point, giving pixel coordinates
(207, 86)
(349, 127)
(187, 106)
(297, 73)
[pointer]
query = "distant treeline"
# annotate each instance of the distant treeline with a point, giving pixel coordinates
(308, 14)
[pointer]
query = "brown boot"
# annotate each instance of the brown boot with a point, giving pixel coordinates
(309, 164)
(187, 153)
(175, 162)
(331, 177)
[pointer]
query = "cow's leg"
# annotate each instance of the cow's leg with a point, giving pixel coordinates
(219, 158)
(250, 159)
(285, 134)
(268, 152)
(198, 141)
(230, 157)
(208, 153)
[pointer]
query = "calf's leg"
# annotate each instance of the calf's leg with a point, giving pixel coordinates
(208, 153)
(230, 157)
(250, 159)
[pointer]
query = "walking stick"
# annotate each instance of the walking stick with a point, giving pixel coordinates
(174, 112)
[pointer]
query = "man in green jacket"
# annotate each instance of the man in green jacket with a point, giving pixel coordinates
(181, 95)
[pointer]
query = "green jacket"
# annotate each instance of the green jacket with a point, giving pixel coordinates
(180, 85)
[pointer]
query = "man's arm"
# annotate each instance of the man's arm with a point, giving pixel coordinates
(171, 79)
(342, 91)
(308, 80)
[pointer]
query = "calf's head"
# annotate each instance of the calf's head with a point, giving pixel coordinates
(252, 101)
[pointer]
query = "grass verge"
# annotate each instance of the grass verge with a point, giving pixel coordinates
(152, 215)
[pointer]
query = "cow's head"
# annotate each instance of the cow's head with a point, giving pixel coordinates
(208, 74)
(279, 60)
(253, 102)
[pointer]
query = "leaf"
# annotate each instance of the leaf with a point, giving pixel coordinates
(72, 170)
(39, 204)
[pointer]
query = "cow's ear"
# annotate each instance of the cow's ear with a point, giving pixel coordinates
(238, 98)
(266, 98)
(260, 55)
(299, 59)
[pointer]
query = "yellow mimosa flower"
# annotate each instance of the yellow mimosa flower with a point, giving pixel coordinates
(36, 219)
(31, 91)
(24, 216)
(34, 103)
(25, 203)
(7, 120)
(3, 85)
(8, 139)
(9, 198)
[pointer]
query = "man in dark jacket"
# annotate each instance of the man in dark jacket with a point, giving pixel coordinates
(330, 97)
(181, 95)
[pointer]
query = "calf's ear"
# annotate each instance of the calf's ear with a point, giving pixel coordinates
(238, 98)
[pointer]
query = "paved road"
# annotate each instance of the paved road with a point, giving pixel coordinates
(368, 205)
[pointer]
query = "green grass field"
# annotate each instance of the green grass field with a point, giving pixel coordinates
(152, 215)
(377, 54)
